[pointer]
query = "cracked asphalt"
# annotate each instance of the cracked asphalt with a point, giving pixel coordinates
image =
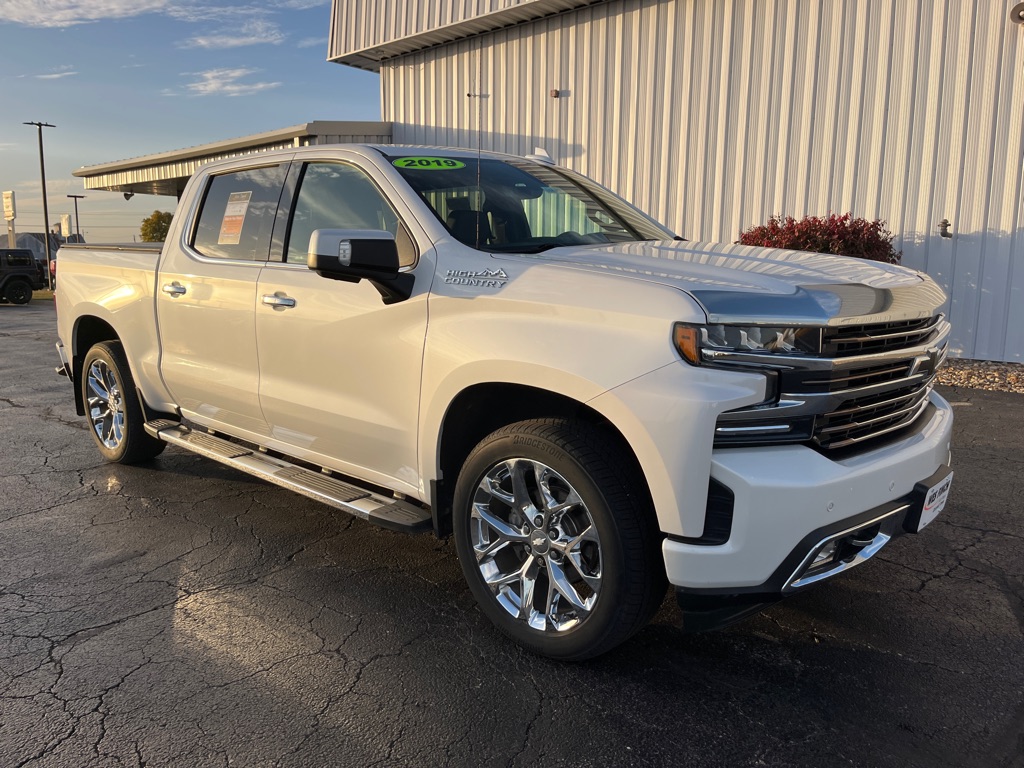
(182, 614)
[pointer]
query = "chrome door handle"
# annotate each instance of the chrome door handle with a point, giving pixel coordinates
(174, 289)
(273, 300)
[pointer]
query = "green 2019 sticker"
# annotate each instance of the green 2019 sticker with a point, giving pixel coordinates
(428, 163)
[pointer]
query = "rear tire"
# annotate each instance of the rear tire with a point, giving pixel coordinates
(557, 538)
(112, 406)
(18, 292)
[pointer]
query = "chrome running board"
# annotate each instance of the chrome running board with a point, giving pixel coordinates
(380, 510)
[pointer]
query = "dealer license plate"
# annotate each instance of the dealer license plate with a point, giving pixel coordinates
(934, 500)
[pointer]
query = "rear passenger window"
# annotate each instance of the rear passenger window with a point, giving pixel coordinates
(237, 215)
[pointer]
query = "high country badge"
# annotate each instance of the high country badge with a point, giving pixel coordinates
(482, 278)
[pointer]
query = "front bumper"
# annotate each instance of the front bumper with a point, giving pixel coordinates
(789, 499)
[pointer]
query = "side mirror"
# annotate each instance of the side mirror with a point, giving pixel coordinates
(360, 254)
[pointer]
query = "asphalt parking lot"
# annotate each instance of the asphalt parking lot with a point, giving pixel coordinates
(182, 614)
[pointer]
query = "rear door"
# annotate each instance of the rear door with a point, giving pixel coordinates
(206, 298)
(339, 369)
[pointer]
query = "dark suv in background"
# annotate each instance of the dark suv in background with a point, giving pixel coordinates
(20, 274)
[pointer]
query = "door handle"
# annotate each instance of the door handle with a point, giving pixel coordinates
(174, 289)
(275, 301)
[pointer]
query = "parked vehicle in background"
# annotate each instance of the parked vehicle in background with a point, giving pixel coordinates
(20, 274)
(500, 348)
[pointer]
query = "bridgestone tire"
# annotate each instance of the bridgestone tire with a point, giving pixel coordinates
(18, 292)
(597, 578)
(116, 419)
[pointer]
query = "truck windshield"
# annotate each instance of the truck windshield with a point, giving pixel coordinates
(505, 205)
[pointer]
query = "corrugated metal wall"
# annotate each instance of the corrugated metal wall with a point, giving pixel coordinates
(715, 114)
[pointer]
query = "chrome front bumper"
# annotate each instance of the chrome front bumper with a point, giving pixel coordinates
(791, 502)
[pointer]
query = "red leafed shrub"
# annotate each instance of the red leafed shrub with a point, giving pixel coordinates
(841, 235)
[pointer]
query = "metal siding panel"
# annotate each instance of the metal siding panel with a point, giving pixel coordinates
(1013, 211)
(714, 116)
(967, 245)
(1002, 144)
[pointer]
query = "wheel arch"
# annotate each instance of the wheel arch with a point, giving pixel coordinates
(480, 409)
(88, 331)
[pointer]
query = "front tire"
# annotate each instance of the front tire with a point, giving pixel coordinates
(113, 408)
(557, 539)
(18, 292)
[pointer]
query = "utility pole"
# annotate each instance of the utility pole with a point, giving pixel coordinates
(77, 230)
(46, 212)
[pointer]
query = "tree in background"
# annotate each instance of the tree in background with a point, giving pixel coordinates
(154, 228)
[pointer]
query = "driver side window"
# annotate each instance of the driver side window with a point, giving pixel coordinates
(339, 196)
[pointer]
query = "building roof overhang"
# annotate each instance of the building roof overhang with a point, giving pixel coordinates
(166, 173)
(371, 57)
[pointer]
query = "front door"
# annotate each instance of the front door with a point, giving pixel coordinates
(339, 369)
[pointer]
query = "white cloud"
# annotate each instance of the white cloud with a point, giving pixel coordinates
(255, 32)
(61, 186)
(225, 82)
(312, 42)
(57, 72)
(300, 5)
(66, 13)
(54, 187)
(204, 13)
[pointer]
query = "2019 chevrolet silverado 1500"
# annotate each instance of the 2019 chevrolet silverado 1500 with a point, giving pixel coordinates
(501, 349)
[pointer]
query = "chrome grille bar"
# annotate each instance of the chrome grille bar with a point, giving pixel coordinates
(905, 422)
(917, 395)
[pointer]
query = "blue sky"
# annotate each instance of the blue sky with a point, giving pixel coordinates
(124, 78)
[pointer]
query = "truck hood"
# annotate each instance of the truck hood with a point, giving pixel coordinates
(742, 284)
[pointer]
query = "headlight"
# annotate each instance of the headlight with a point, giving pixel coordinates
(766, 340)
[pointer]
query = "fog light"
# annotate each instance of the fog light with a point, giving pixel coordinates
(825, 554)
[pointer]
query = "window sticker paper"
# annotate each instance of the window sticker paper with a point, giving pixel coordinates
(234, 218)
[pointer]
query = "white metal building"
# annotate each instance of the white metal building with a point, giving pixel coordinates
(715, 114)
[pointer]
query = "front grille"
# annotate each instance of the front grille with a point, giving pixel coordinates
(870, 417)
(851, 340)
(832, 401)
(850, 378)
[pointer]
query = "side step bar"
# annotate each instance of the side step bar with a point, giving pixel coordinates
(380, 510)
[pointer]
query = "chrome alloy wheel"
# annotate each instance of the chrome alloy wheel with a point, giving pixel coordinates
(536, 545)
(106, 405)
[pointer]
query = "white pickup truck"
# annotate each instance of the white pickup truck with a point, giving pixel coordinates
(501, 349)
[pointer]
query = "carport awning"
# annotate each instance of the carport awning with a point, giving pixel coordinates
(166, 173)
